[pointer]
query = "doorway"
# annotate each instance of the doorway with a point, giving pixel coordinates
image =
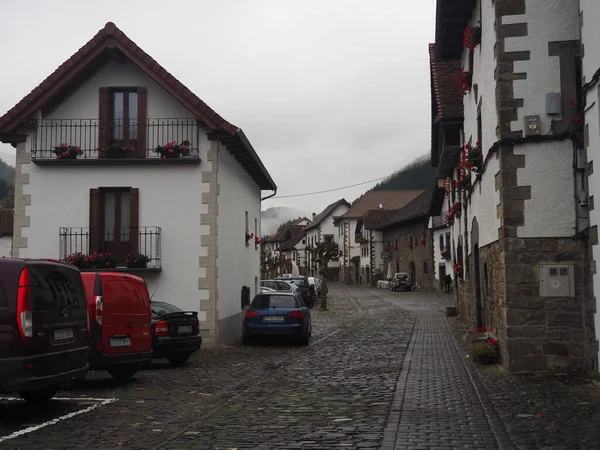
(413, 274)
(478, 297)
(115, 220)
(442, 276)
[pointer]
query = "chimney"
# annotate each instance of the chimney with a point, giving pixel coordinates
(314, 215)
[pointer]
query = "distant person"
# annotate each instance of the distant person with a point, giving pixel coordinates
(447, 283)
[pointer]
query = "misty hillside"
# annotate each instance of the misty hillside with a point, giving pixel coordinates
(273, 217)
(417, 175)
(7, 185)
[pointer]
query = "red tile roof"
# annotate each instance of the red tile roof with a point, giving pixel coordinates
(446, 90)
(372, 200)
(111, 37)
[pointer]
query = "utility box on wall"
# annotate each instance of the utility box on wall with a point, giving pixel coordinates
(557, 280)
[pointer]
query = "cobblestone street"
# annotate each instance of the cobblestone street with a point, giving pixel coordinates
(384, 370)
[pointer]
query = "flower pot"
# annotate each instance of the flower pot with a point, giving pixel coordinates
(167, 155)
(106, 265)
(67, 156)
(487, 359)
(137, 265)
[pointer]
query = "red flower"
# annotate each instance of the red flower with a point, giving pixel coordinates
(492, 341)
(572, 103)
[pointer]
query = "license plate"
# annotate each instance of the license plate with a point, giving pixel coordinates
(187, 329)
(120, 342)
(273, 318)
(60, 335)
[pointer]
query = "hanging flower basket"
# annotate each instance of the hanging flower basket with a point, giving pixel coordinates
(445, 254)
(472, 37)
(465, 81)
(458, 269)
(422, 242)
(474, 157)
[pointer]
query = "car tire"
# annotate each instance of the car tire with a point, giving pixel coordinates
(179, 359)
(123, 372)
(246, 340)
(39, 395)
(304, 340)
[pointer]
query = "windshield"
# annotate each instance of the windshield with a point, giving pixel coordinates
(273, 301)
(401, 276)
(162, 308)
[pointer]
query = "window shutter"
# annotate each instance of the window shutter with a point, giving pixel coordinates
(94, 220)
(142, 119)
(134, 219)
(104, 117)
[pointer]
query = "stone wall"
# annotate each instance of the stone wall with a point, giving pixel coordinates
(421, 256)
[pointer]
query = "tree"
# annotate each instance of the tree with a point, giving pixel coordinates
(268, 265)
(324, 252)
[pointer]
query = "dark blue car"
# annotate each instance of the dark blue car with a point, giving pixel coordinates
(277, 314)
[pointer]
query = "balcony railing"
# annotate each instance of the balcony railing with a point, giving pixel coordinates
(91, 134)
(119, 242)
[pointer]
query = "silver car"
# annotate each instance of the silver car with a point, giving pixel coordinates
(279, 285)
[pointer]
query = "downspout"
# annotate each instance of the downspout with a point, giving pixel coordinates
(269, 196)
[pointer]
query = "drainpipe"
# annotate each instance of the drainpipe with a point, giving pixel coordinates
(269, 196)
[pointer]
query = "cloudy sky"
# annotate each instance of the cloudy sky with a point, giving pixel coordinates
(330, 92)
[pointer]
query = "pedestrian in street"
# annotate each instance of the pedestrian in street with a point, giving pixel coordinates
(447, 283)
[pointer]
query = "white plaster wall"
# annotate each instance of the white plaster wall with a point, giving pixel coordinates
(5, 246)
(590, 35)
(238, 264)
(437, 257)
(547, 21)
(484, 205)
(327, 227)
(549, 171)
(84, 102)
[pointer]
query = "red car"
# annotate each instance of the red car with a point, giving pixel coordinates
(120, 322)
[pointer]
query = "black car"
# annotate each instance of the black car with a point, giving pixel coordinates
(175, 333)
(43, 327)
(306, 289)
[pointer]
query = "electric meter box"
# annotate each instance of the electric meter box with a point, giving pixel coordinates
(557, 280)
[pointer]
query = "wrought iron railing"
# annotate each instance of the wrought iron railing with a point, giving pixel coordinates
(120, 242)
(90, 134)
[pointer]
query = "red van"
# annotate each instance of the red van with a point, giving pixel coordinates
(120, 317)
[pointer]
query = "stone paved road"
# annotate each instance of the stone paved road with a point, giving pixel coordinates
(383, 371)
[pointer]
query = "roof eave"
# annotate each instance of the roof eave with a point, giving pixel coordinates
(452, 16)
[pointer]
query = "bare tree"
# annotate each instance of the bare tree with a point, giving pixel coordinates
(324, 252)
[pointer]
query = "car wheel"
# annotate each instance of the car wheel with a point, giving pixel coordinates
(179, 359)
(246, 340)
(304, 340)
(39, 395)
(123, 372)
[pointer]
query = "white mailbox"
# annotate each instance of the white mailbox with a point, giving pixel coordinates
(557, 280)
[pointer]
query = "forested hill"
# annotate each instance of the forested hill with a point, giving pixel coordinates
(7, 185)
(417, 175)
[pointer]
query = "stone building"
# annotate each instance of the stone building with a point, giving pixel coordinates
(350, 248)
(521, 239)
(406, 235)
(372, 254)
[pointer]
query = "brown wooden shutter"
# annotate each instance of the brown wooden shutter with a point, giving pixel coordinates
(134, 219)
(94, 220)
(142, 121)
(104, 117)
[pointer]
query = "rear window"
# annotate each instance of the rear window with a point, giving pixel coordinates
(402, 276)
(162, 308)
(124, 297)
(300, 282)
(2, 297)
(273, 301)
(56, 289)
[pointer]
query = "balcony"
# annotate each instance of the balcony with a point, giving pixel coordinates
(119, 243)
(99, 142)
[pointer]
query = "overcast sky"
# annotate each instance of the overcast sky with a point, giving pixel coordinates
(329, 92)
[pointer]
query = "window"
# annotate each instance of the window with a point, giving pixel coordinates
(255, 232)
(246, 228)
(162, 308)
(425, 268)
(274, 301)
(55, 289)
(442, 248)
(486, 282)
(447, 248)
(114, 215)
(328, 238)
(123, 118)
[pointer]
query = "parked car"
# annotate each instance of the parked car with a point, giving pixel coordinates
(43, 327)
(264, 289)
(279, 285)
(120, 316)
(277, 314)
(305, 288)
(401, 280)
(175, 333)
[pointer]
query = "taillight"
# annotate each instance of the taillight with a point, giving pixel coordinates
(250, 313)
(99, 308)
(162, 328)
(297, 314)
(24, 313)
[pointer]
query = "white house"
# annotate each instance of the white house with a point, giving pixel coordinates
(191, 208)
(323, 229)
(521, 237)
(350, 241)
